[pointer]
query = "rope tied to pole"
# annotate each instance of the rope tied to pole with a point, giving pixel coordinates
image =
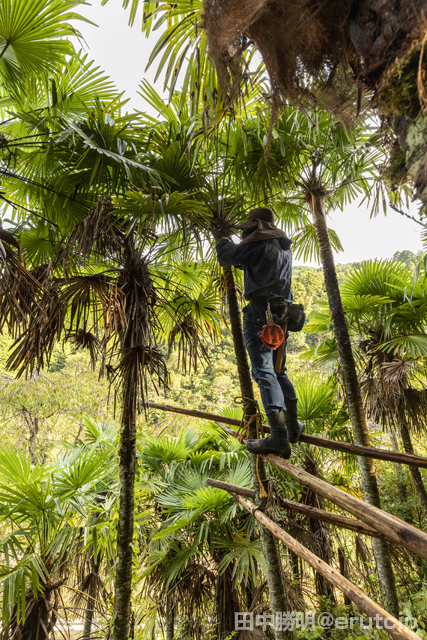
(251, 415)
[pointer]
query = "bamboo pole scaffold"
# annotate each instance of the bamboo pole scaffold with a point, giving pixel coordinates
(335, 445)
(363, 602)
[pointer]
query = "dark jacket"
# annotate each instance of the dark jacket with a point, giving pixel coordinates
(267, 265)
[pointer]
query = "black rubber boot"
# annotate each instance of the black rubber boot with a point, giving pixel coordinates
(277, 442)
(294, 426)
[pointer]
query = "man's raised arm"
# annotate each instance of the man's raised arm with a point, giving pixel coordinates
(234, 255)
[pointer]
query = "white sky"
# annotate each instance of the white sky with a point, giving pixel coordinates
(123, 53)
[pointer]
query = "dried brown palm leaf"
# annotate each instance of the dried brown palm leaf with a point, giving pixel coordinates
(190, 347)
(102, 232)
(396, 370)
(137, 366)
(67, 306)
(93, 300)
(363, 555)
(83, 339)
(33, 349)
(20, 290)
(192, 592)
(403, 564)
(390, 398)
(90, 591)
(295, 39)
(140, 298)
(41, 614)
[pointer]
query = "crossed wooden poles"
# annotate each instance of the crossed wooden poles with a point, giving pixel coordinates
(370, 520)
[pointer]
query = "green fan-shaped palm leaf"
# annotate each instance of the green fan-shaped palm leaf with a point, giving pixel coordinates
(315, 399)
(167, 449)
(35, 36)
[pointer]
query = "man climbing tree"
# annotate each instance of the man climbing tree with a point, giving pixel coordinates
(265, 256)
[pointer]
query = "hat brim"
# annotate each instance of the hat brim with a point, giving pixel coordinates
(249, 224)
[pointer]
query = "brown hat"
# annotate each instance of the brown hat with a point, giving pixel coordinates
(261, 220)
(261, 213)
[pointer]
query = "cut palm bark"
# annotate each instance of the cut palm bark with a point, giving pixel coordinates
(334, 445)
(365, 604)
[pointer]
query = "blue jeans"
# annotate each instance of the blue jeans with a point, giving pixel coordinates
(275, 388)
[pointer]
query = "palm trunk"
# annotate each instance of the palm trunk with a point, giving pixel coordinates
(170, 618)
(352, 390)
(127, 459)
(270, 549)
(87, 629)
(320, 531)
(33, 428)
(415, 472)
(401, 488)
(342, 558)
(90, 607)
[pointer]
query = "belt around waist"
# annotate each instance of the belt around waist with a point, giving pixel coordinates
(264, 301)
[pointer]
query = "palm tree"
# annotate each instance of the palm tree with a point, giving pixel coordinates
(314, 166)
(353, 49)
(44, 509)
(202, 531)
(318, 407)
(388, 328)
(214, 180)
(90, 278)
(34, 40)
(394, 346)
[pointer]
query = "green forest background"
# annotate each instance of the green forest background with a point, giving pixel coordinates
(57, 399)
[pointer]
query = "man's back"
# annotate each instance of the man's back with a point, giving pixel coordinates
(267, 265)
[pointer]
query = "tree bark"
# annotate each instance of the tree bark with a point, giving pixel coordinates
(87, 629)
(269, 546)
(401, 488)
(342, 558)
(352, 391)
(320, 531)
(170, 618)
(33, 428)
(415, 472)
(90, 608)
(127, 460)
(412, 136)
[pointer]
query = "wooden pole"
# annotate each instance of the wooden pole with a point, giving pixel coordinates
(392, 527)
(365, 604)
(335, 445)
(386, 524)
(311, 512)
(331, 518)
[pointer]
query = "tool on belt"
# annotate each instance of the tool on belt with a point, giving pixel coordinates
(272, 334)
(282, 316)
